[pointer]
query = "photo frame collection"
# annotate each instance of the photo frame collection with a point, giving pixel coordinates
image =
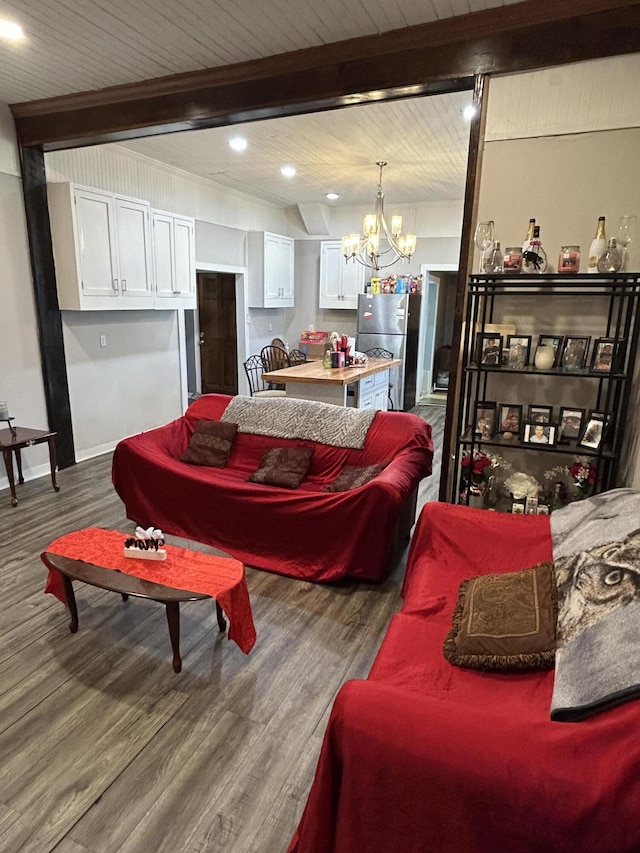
(573, 425)
(571, 352)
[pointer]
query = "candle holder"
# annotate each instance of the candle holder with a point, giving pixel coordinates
(12, 429)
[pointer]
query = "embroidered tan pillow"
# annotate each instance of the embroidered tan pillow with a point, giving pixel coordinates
(210, 444)
(283, 466)
(353, 476)
(505, 621)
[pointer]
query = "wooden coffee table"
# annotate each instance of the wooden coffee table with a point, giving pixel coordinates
(13, 444)
(126, 585)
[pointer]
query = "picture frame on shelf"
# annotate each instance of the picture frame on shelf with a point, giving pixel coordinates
(555, 341)
(603, 359)
(519, 350)
(570, 421)
(489, 349)
(592, 434)
(540, 414)
(503, 329)
(536, 432)
(484, 425)
(510, 418)
(600, 416)
(574, 352)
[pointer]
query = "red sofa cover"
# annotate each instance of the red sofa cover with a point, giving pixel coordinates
(425, 756)
(305, 532)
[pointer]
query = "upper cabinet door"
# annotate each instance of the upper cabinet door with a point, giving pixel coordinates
(185, 273)
(340, 282)
(163, 251)
(96, 239)
(134, 255)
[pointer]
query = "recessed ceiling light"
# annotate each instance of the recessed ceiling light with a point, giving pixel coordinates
(238, 143)
(333, 196)
(9, 30)
(469, 112)
(288, 171)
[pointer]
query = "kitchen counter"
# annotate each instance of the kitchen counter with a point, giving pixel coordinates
(311, 381)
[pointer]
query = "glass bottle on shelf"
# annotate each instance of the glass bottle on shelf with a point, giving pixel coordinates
(494, 261)
(529, 237)
(598, 246)
(534, 257)
(611, 260)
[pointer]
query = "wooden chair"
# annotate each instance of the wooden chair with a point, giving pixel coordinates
(381, 352)
(274, 358)
(254, 369)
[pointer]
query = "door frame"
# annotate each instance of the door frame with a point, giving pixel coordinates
(242, 321)
(426, 270)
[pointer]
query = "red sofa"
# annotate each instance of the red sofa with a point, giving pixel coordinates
(425, 757)
(306, 532)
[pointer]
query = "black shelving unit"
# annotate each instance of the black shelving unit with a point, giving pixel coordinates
(612, 303)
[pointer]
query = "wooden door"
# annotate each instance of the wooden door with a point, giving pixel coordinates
(218, 339)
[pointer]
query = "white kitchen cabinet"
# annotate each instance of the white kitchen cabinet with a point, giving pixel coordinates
(101, 248)
(340, 282)
(373, 392)
(270, 269)
(173, 260)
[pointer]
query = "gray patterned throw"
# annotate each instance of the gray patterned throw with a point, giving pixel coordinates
(284, 417)
(596, 551)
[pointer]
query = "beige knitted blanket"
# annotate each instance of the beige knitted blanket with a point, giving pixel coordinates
(284, 417)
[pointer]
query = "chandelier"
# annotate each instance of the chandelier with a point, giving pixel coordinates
(367, 249)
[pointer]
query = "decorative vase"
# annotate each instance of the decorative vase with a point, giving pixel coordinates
(545, 357)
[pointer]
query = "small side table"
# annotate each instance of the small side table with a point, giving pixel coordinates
(10, 444)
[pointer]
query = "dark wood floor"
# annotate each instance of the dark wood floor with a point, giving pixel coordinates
(103, 748)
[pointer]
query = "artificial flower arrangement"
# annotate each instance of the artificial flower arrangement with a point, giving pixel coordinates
(523, 486)
(574, 482)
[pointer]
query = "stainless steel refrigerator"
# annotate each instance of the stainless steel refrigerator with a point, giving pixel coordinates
(392, 321)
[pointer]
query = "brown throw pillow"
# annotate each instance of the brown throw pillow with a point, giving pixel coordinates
(210, 444)
(283, 466)
(505, 621)
(353, 476)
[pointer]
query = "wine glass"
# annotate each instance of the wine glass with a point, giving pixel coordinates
(627, 228)
(484, 239)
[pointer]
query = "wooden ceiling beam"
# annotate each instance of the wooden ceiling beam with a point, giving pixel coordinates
(413, 61)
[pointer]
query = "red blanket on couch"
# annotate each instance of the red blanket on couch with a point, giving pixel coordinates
(425, 756)
(307, 532)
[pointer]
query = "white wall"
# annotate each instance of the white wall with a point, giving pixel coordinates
(20, 366)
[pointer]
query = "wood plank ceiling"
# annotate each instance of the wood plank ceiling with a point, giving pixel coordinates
(79, 45)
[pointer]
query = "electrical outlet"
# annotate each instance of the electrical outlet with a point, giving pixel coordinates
(271, 327)
(103, 340)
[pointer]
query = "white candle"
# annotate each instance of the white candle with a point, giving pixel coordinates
(4, 411)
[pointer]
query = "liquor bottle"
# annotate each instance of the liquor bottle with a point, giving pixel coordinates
(534, 257)
(611, 260)
(529, 237)
(598, 247)
(494, 262)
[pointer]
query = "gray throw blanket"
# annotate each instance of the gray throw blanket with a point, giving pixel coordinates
(596, 551)
(284, 417)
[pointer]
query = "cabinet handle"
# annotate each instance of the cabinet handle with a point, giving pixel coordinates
(124, 284)
(115, 285)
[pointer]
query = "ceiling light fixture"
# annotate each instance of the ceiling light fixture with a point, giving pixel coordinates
(367, 249)
(9, 30)
(288, 171)
(238, 143)
(333, 196)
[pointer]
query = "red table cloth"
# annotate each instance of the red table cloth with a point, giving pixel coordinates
(223, 578)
